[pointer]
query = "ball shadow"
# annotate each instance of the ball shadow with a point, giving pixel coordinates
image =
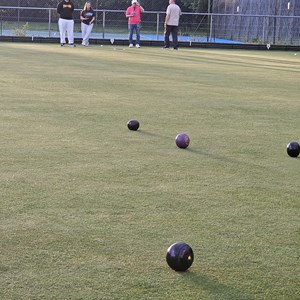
(213, 156)
(215, 288)
(141, 131)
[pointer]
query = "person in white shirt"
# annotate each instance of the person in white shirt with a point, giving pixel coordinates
(171, 24)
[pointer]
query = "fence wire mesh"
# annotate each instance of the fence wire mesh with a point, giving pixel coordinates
(234, 21)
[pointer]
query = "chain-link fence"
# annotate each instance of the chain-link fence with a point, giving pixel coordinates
(42, 22)
(194, 27)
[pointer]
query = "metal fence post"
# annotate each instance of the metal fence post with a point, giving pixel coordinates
(18, 13)
(157, 26)
(103, 25)
(211, 27)
(49, 24)
(263, 30)
(1, 22)
(97, 7)
(274, 30)
(209, 20)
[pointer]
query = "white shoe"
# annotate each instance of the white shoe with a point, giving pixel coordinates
(130, 46)
(83, 44)
(137, 46)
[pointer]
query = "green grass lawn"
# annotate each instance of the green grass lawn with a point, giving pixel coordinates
(89, 208)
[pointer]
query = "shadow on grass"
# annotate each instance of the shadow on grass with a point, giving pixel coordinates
(140, 131)
(215, 288)
(191, 150)
(202, 153)
(213, 156)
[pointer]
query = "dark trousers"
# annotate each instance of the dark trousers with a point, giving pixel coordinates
(174, 30)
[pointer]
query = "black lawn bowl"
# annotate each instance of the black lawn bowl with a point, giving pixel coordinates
(182, 140)
(133, 125)
(180, 256)
(293, 149)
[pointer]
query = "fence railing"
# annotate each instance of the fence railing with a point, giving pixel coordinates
(194, 27)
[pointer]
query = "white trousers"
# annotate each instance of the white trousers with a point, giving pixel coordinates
(86, 32)
(66, 26)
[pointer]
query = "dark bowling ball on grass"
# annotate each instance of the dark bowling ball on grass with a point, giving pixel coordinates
(180, 256)
(133, 125)
(182, 140)
(293, 149)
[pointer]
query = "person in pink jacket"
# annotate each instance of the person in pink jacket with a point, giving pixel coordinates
(133, 13)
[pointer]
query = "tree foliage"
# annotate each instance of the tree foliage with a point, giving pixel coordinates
(197, 5)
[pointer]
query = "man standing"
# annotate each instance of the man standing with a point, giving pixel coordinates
(66, 23)
(133, 13)
(171, 24)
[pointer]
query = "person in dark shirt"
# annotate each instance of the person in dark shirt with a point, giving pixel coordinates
(87, 17)
(66, 23)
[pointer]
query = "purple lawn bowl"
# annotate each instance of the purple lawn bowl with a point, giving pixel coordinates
(182, 140)
(133, 125)
(180, 256)
(293, 149)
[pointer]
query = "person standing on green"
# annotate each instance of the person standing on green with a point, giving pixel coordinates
(65, 10)
(171, 24)
(87, 17)
(133, 13)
